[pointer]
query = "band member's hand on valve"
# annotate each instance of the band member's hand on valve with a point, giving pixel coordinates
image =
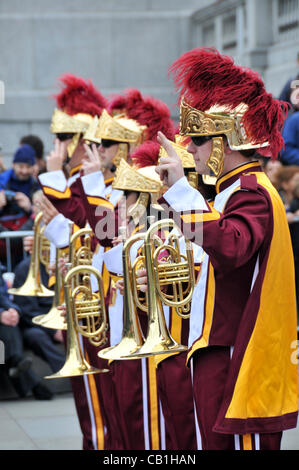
(49, 211)
(28, 244)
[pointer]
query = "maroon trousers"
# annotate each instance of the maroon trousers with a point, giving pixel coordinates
(127, 376)
(210, 368)
(96, 405)
(136, 392)
(175, 392)
(108, 401)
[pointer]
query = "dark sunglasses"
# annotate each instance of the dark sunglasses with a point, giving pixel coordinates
(91, 144)
(64, 136)
(106, 143)
(199, 140)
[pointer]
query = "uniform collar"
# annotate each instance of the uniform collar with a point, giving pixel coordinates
(109, 181)
(229, 178)
(75, 170)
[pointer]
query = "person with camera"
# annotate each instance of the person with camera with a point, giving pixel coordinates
(17, 186)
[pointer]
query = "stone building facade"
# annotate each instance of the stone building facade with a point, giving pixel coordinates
(128, 43)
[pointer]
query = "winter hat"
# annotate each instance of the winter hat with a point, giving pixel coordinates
(25, 154)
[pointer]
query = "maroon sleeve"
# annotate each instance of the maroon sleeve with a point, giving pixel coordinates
(234, 236)
(71, 205)
(233, 239)
(101, 215)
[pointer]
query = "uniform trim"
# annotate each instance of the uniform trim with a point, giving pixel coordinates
(99, 201)
(153, 405)
(96, 421)
(109, 181)
(247, 442)
(97, 413)
(203, 341)
(197, 217)
(75, 170)
(240, 169)
(57, 194)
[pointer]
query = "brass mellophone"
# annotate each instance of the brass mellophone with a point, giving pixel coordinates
(53, 318)
(170, 282)
(33, 285)
(85, 310)
(81, 256)
(132, 338)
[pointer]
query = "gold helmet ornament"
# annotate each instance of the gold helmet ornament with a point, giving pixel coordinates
(128, 133)
(188, 163)
(77, 103)
(145, 181)
(133, 119)
(219, 99)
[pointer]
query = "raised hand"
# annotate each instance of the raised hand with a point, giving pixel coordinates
(170, 168)
(91, 162)
(57, 157)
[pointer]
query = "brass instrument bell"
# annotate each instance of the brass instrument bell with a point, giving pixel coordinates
(85, 314)
(53, 318)
(132, 337)
(85, 310)
(83, 255)
(159, 340)
(33, 285)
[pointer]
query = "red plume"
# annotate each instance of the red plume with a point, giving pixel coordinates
(147, 154)
(117, 104)
(205, 78)
(79, 96)
(146, 110)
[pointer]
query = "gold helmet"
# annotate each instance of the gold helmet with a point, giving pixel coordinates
(145, 181)
(188, 163)
(131, 119)
(77, 103)
(219, 98)
(128, 133)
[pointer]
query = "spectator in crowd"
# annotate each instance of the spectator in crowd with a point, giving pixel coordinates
(17, 367)
(271, 168)
(290, 154)
(293, 209)
(38, 145)
(285, 94)
(37, 198)
(287, 177)
(17, 186)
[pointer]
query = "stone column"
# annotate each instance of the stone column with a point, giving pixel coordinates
(260, 33)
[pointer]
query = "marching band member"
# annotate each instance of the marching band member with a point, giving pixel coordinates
(77, 104)
(135, 381)
(132, 119)
(173, 377)
(243, 314)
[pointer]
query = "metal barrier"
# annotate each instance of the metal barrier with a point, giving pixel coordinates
(7, 236)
